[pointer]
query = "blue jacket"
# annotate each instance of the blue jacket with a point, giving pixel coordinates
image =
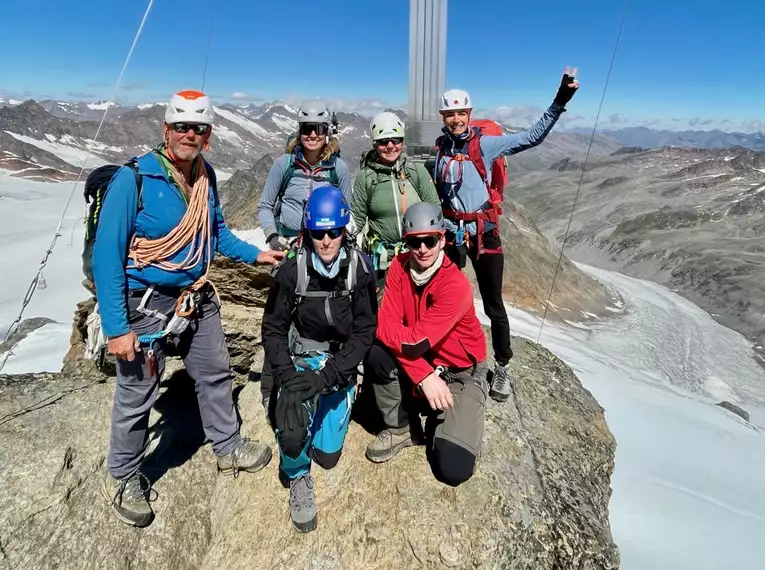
(468, 193)
(162, 210)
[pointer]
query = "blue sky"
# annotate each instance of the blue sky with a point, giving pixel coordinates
(692, 60)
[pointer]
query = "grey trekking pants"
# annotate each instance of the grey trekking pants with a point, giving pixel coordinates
(203, 349)
(458, 432)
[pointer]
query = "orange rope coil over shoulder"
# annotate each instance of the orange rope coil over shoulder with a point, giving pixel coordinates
(194, 229)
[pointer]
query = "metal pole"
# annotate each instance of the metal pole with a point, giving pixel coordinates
(427, 75)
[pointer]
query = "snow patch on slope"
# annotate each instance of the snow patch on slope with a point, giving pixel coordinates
(101, 106)
(66, 152)
(245, 123)
(286, 124)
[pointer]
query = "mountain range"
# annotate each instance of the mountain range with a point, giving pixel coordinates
(650, 138)
(690, 219)
(35, 137)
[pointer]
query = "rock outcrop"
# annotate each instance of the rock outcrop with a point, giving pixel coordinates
(539, 499)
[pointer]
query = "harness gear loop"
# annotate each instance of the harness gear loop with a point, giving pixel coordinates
(479, 218)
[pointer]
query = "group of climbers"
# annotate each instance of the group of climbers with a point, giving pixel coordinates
(393, 240)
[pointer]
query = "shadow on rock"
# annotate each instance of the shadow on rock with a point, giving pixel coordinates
(178, 432)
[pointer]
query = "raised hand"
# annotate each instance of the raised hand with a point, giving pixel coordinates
(568, 86)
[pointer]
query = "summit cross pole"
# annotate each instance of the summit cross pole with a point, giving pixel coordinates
(427, 76)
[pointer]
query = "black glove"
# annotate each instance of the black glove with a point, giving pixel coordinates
(306, 384)
(331, 375)
(277, 242)
(565, 93)
(292, 422)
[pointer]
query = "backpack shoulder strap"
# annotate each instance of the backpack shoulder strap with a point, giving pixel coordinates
(301, 284)
(410, 170)
(476, 156)
(133, 165)
(370, 180)
(440, 144)
(350, 278)
(333, 177)
(211, 175)
(286, 177)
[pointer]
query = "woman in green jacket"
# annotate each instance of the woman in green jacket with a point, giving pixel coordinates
(387, 184)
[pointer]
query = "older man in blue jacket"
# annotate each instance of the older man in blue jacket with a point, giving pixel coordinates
(152, 252)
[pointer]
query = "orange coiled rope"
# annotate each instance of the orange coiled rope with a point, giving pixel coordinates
(194, 229)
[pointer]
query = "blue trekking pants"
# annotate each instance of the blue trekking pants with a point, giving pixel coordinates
(327, 426)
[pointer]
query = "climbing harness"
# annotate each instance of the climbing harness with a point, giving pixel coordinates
(584, 166)
(489, 212)
(379, 250)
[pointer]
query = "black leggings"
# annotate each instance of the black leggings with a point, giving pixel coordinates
(488, 270)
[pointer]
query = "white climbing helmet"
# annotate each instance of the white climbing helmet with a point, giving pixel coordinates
(386, 125)
(313, 111)
(455, 100)
(190, 107)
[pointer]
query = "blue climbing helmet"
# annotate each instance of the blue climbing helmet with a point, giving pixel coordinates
(326, 209)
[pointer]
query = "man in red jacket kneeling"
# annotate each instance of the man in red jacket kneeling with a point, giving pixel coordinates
(429, 344)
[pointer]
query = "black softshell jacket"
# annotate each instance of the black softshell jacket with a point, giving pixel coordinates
(355, 316)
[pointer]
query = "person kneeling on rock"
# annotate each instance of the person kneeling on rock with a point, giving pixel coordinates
(163, 224)
(430, 343)
(318, 324)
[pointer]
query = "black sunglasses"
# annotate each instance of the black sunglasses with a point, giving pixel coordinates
(414, 242)
(186, 127)
(384, 142)
(333, 233)
(308, 128)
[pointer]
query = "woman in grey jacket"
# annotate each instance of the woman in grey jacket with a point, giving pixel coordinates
(312, 160)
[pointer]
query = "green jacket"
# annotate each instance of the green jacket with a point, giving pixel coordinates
(381, 194)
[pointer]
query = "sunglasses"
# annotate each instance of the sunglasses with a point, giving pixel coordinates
(333, 233)
(320, 128)
(384, 142)
(414, 242)
(184, 128)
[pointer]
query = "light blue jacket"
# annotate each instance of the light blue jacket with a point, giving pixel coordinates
(459, 185)
(302, 183)
(162, 209)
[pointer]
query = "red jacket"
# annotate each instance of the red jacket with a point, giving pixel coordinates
(437, 327)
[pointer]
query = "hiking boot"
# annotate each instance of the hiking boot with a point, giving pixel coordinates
(249, 455)
(129, 498)
(500, 383)
(303, 504)
(387, 444)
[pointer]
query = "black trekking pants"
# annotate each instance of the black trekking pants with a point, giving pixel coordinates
(488, 270)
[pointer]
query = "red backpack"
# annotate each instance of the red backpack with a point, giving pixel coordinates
(498, 167)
